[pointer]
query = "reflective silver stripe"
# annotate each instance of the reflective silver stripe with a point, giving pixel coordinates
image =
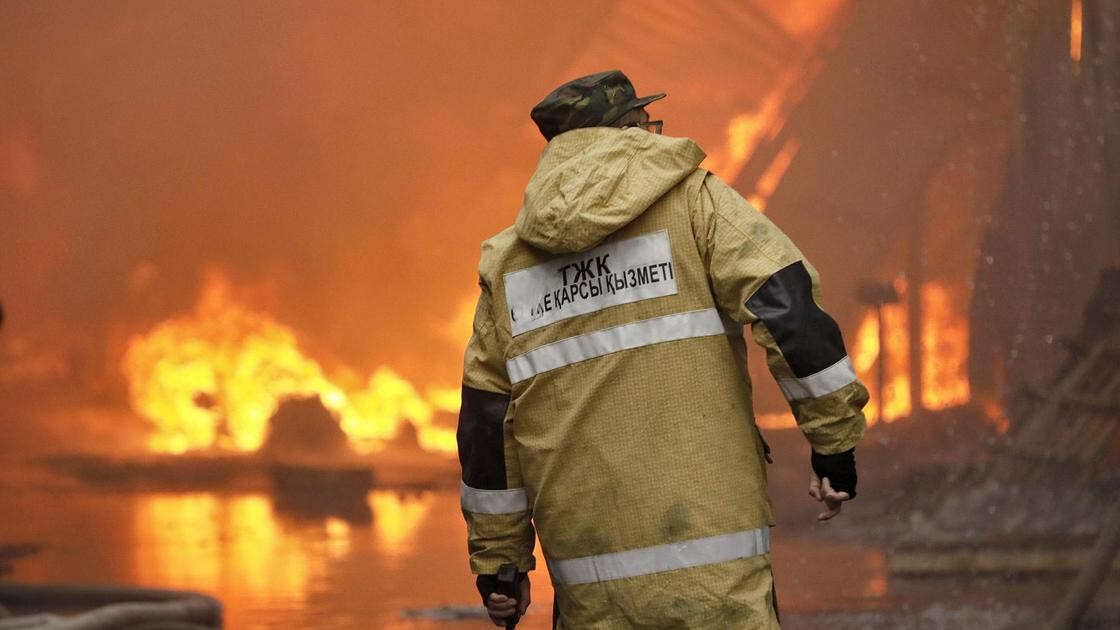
(492, 501)
(646, 332)
(824, 382)
(680, 555)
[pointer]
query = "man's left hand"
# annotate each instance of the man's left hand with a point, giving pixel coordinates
(501, 608)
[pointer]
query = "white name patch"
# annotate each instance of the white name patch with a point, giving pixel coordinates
(616, 273)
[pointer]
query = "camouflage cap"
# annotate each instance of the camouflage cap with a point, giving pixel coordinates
(596, 100)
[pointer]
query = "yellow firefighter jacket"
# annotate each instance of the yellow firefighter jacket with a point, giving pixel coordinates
(606, 398)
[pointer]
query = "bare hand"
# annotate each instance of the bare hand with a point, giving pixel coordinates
(501, 608)
(822, 491)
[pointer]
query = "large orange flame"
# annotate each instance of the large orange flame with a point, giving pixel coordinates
(214, 377)
(894, 401)
(944, 355)
(944, 350)
(746, 130)
(773, 175)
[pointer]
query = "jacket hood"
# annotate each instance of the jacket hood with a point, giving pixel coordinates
(592, 181)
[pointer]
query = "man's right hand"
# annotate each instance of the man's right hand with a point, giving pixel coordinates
(837, 470)
(501, 608)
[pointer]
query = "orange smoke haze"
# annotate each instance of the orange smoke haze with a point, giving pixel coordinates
(340, 165)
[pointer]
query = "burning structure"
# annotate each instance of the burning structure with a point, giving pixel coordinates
(951, 189)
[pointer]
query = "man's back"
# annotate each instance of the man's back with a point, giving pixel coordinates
(606, 397)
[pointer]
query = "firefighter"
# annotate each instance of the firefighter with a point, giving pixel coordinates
(606, 400)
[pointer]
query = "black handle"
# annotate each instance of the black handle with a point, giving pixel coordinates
(507, 585)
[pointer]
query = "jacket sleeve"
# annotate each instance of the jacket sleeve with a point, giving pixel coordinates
(760, 278)
(499, 527)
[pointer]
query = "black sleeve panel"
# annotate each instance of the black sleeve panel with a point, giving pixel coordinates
(481, 438)
(809, 339)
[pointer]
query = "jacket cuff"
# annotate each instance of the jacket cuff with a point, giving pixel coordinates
(840, 468)
(489, 564)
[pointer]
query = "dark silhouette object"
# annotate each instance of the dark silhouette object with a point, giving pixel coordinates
(13, 552)
(312, 467)
(190, 471)
(304, 428)
(126, 607)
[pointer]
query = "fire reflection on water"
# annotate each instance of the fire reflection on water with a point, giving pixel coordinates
(218, 544)
(274, 569)
(338, 537)
(239, 543)
(396, 520)
(876, 585)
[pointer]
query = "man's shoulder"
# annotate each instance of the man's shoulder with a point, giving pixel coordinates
(496, 249)
(501, 241)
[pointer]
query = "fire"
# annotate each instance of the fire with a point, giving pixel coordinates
(214, 377)
(748, 129)
(773, 175)
(894, 401)
(944, 350)
(746, 132)
(805, 17)
(994, 413)
(944, 355)
(775, 420)
(1075, 33)
(398, 518)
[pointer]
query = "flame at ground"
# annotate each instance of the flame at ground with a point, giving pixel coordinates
(944, 356)
(201, 541)
(213, 378)
(944, 350)
(894, 401)
(994, 413)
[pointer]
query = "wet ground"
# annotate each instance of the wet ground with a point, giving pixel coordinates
(273, 569)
